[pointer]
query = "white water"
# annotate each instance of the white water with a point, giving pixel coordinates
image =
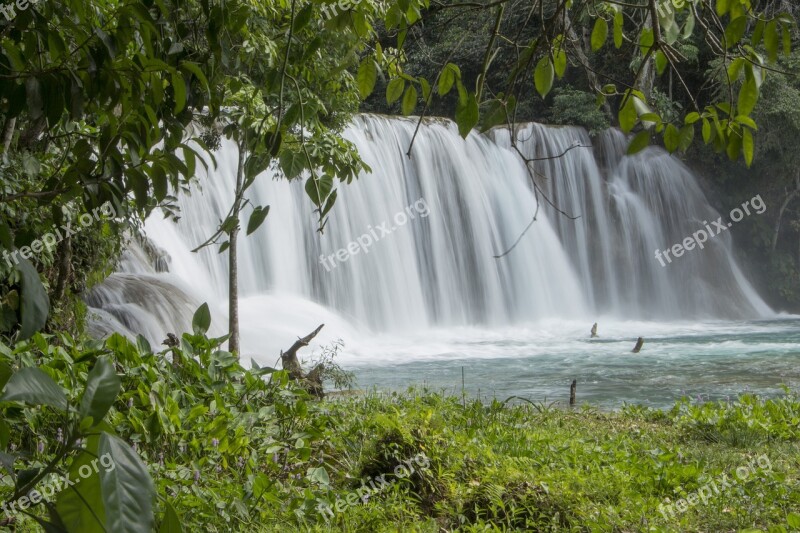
(437, 273)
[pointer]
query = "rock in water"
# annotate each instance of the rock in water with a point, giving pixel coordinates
(639, 344)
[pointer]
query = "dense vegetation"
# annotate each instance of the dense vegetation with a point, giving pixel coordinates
(228, 450)
(108, 110)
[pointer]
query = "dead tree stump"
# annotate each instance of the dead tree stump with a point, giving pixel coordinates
(639, 344)
(312, 381)
(572, 391)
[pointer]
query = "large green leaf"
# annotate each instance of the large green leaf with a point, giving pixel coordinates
(202, 319)
(409, 100)
(35, 305)
(543, 76)
(467, 115)
(80, 501)
(292, 163)
(395, 90)
(628, 115)
(599, 34)
(748, 96)
(34, 387)
(366, 77)
(618, 26)
(128, 491)
(672, 138)
(639, 143)
(171, 522)
(257, 218)
(102, 387)
(748, 146)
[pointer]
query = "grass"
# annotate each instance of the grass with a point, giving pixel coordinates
(231, 449)
(532, 468)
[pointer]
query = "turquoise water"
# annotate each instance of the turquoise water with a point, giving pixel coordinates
(710, 360)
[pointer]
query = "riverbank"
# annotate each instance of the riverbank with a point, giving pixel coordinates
(199, 443)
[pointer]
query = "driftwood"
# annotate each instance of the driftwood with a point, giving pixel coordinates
(594, 330)
(639, 344)
(311, 381)
(572, 390)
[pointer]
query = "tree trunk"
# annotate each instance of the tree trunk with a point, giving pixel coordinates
(648, 76)
(8, 133)
(582, 44)
(64, 268)
(781, 211)
(233, 285)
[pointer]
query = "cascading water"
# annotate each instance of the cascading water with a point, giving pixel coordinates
(438, 269)
(627, 210)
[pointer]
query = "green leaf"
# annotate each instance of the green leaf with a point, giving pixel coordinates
(409, 100)
(128, 491)
(747, 121)
(257, 218)
(320, 475)
(543, 76)
(80, 506)
(671, 138)
(735, 68)
(692, 117)
(661, 62)
(318, 189)
(793, 519)
(722, 7)
(619, 23)
(628, 115)
(102, 387)
(171, 522)
(366, 77)
(748, 146)
(639, 143)
(599, 34)
(34, 387)
(687, 136)
(560, 62)
(706, 131)
(735, 31)
(446, 80)
(395, 89)
(292, 163)
(179, 88)
(426, 89)
(467, 115)
(198, 73)
(771, 40)
(303, 17)
(748, 97)
(201, 321)
(35, 303)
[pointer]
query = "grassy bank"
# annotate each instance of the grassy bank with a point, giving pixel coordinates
(229, 449)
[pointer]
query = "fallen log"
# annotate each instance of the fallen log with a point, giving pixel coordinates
(312, 381)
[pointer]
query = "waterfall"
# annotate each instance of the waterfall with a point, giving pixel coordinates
(445, 213)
